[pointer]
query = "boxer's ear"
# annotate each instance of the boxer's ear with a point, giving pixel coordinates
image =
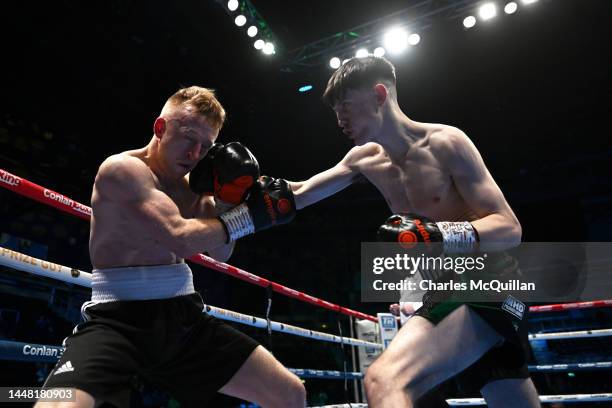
(381, 93)
(159, 127)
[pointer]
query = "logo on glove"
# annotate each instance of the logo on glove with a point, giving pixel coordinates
(284, 206)
(270, 208)
(407, 239)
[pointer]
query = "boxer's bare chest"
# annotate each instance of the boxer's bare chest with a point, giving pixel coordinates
(417, 183)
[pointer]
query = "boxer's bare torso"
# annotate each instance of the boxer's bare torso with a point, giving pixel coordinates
(419, 183)
(439, 168)
(118, 237)
(435, 171)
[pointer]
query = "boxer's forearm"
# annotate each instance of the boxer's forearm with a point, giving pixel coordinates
(326, 183)
(191, 236)
(207, 208)
(222, 253)
(308, 192)
(498, 231)
(299, 194)
(320, 186)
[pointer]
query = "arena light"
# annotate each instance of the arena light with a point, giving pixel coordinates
(305, 88)
(335, 62)
(511, 8)
(268, 48)
(362, 53)
(259, 44)
(252, 31)
(487, 11)
(379, 52)
(240, 20)
(469, 21)
(395, 40)
(528, 1)
(232, 5)
(414, 39)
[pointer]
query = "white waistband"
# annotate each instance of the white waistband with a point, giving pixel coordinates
(141, 283)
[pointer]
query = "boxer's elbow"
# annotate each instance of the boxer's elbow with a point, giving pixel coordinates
(303, 194)
(518, 234)
(297, 188)
(222, 253)
(186, 238)
(515, 233)
(180, 243)
(499, 231)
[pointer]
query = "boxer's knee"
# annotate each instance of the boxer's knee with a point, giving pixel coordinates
(383, 380)
(379, 381)
(374, 383)
(383, 391)
(298, 394)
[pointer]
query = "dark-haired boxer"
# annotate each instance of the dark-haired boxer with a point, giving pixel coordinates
(145, 318)
(435, 171)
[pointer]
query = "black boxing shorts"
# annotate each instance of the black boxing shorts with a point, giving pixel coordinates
(169, 343)
(505, 314)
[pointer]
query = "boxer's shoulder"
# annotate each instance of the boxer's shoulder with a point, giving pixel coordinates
(122, 165)
(442, 136)
(358, 154)
(447, 141)
(123, 172)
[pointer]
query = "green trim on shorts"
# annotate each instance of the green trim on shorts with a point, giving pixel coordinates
(443, 309)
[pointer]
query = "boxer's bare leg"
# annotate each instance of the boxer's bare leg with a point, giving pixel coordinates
(423, 355)
(263, 380)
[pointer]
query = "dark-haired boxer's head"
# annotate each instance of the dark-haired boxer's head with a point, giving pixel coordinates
(358, 92)
(186, 128)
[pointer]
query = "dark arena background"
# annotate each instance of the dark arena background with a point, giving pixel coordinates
(84, 80)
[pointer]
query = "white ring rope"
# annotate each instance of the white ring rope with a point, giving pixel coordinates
(571, 335)
(480, 401)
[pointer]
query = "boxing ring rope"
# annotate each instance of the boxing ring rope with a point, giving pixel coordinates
(547, 399)
(600, 397)
(571, 335)
(260, 323)
(39, 267)
(33, 352)
(570, 306)
(552, 368)
(544, 368)
(43, 353)
(51, 198)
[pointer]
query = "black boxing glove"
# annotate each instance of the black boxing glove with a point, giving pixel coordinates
(270, 203)
(410, 229)
(201, 179)
(228, 172)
